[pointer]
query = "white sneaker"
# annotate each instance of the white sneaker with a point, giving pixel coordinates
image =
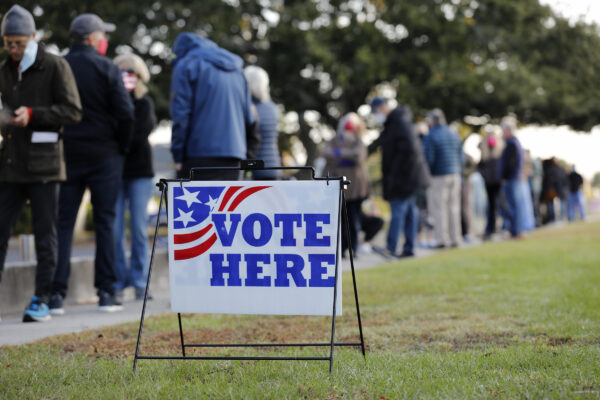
(364, 248)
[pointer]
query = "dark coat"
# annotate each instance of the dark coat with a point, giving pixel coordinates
(575, 182)
(107, 125)
(512, 160)
(488, 169)
(48, 88)
(138, 163)
(403, 165)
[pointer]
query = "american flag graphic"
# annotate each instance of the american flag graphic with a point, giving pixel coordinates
(193, 230)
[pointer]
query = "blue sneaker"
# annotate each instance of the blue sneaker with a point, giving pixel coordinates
(36, 311)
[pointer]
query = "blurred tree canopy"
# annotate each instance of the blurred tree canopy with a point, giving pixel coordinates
(326, 57)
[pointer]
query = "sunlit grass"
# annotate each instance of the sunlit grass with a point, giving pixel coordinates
(512, 319)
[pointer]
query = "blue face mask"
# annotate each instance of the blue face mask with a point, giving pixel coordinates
(29, 55)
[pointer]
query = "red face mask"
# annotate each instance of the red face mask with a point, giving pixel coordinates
(102, 46)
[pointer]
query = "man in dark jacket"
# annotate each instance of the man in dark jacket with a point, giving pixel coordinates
(94, 151)
(443, 151)
(404, 172)
(575, 197)
(511, 170)
(213, 122)
(488, 168)
(38, 97)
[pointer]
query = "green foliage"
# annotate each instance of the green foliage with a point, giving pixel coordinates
(466, 57)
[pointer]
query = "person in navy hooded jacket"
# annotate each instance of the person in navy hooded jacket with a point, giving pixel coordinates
(211, 108)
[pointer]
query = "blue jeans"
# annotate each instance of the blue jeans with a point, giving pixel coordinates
(576, 200)
(103, 178)
(133, 196)
(405, 217)
(515, 206)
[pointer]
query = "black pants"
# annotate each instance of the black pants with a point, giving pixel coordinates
(492, 196)
(354, 211)
(43, 198)
(233, 175)
(371, 225)
(103, 178)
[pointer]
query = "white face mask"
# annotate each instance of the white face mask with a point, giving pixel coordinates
(379, 118)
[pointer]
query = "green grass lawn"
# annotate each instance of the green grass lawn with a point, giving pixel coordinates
(517, 319)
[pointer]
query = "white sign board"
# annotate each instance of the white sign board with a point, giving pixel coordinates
(254, 247)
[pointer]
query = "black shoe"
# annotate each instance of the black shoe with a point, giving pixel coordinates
(139, 294)
(56, 304)
(439, 247)
(108, 302)
(406, 255)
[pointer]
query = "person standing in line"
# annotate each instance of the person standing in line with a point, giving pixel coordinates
(94, 150)
(443, 151)
(491, 149)
(268, 121)
(511, 170)
(528, 213)
(467, 168)
(346, 155)
(137, 185)
(211, 109)
(575, 195)
(38, 96)
(405, 173)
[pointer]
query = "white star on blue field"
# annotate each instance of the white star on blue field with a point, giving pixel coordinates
(193, 205)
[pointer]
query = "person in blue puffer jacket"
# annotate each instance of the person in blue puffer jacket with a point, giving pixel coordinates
(268, 121)
(213, 122)
(443, 152)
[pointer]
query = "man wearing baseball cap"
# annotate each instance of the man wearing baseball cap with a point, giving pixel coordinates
(38, 97)
(94, 151)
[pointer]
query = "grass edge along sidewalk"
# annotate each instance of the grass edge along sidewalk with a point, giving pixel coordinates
(505, 320)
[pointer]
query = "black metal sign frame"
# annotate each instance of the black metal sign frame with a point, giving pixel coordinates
(343, 213)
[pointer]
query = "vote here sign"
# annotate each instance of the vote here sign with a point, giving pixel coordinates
(254, 247)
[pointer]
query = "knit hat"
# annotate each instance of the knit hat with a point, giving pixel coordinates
(18, 21)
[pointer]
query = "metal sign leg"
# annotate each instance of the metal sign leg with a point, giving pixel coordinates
(137, 346)
(350, 251)
(181, 335)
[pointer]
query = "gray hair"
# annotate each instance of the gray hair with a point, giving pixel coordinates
(436, 117)
(258, 82)
(509, 123)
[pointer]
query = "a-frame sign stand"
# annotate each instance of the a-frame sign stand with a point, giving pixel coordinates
(343, 213)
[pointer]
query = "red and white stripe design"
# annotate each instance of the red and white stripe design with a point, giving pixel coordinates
(192, 242)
